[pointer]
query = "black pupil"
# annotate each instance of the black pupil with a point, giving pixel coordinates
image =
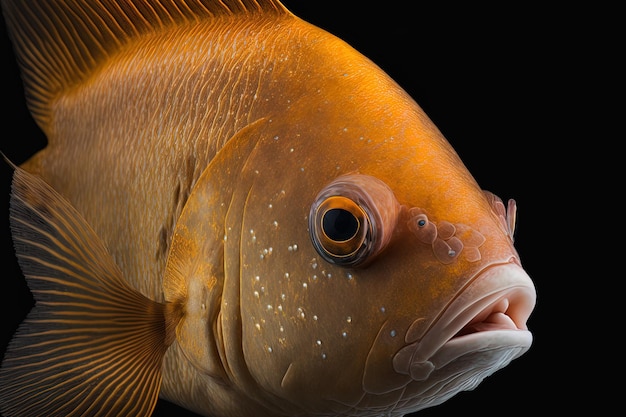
(339, 225)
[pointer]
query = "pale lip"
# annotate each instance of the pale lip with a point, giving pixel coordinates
(488, 316)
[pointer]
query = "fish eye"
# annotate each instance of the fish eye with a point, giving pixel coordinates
(341, 228)
(346, 225)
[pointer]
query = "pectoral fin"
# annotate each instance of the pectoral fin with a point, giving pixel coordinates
(92, 345)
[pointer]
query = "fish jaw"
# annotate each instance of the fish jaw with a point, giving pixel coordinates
(481, 331)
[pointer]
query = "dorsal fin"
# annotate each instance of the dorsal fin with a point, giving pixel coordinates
(60, 43)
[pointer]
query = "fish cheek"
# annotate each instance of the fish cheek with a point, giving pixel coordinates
(303, 319)
(298, 331)
(296, 310)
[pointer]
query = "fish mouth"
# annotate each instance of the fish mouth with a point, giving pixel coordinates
(484, 328)
(501, 298)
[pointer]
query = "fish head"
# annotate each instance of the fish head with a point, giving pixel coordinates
(337, 256)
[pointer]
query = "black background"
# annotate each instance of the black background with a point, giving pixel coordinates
(491, 80)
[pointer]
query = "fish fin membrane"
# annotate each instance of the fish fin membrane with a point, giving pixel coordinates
(92, 345)
(60, 44)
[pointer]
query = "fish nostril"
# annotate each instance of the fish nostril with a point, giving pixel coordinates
(446, 239)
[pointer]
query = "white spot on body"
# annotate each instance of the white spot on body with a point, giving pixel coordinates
(266, 252)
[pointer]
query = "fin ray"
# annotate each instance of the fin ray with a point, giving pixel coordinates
(60, 43)
(92, 344)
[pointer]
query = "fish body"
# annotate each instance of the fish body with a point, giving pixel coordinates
(238, 212)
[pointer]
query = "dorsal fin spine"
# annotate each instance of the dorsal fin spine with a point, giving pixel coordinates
(60, 43)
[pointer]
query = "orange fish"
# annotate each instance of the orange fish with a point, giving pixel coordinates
(238, 212)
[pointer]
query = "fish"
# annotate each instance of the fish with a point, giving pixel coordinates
(239, 213)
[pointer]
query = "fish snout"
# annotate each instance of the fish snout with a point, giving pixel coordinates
(479, 332)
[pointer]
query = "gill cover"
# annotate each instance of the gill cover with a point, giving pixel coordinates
(195, 269)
